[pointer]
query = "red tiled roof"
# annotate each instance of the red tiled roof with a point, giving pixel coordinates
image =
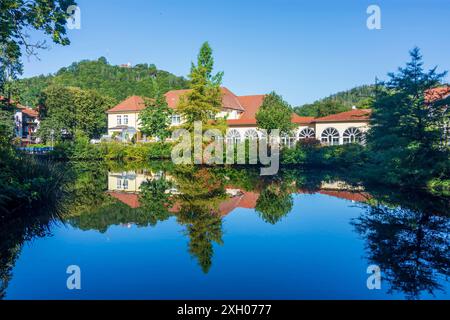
(133, 103)
(229, 99)
(437, 93)
(32, 113)
(298, 119)
(352, 115)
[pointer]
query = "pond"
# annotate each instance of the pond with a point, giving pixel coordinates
(157, 231)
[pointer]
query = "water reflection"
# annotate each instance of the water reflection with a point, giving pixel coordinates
(405, 234)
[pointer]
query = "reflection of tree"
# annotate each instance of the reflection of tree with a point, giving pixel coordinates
(411, 247)
(27, 225)
(274, 202)
(154, 207)
(155, 200)
(203, 227)
(202, 192)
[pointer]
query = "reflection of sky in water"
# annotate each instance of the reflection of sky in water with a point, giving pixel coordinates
(313, 252)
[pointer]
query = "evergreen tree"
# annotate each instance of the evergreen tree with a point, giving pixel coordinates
(407, 128)
(205, 99)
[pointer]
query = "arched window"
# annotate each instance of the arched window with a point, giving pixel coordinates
(307, 133)
(330, 136)
(251, 134)
(287, 140)
(233, 136)
(352, 135)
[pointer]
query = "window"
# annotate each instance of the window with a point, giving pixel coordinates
(307, 133)
(119, 183)
(119, 120)
(125, 184)
(330, 136)
(251, 134)
(125, 119)
(233, 136)
(288, 141)
(176, 119)
(352, 135)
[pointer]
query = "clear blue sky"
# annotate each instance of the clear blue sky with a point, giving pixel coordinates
(304, 50)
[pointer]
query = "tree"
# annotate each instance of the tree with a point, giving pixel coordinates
(155, 118)
(204, 99)
(19, 16)
(66, 110)
(405, 139)
(274, 203)
(275, 113)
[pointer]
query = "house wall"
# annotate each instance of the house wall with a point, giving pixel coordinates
(340, 127)
(133, 120)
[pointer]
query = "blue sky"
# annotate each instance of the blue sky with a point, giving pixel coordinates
(304, 50)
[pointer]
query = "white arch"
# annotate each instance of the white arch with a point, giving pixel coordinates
(251, 134)
(352, 135)
(307, 133)
(233, 136)
(330, 136)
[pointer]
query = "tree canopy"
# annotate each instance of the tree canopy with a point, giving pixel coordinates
(67, 109)
(275, 113)
(406, 139)
(155, 118)
(114, 81)
(204, 99)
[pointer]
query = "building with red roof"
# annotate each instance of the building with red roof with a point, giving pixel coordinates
(240, 114)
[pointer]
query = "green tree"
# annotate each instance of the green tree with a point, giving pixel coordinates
(274, 203)
(66, 110)
(275, 113)
(205, 99)
(155, 118)
(17, 18)
(407, 129)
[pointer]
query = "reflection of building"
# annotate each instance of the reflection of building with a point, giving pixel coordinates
(240, 113)
(125, 188)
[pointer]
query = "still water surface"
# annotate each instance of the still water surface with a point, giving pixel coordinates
(165, 233)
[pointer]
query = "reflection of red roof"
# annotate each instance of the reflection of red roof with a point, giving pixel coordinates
(352, 115)
(348, 195)
(133, 103)
(246, 199)
(130, 199)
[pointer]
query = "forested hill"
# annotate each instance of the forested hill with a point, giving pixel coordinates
(118, 82)
(342, 101)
